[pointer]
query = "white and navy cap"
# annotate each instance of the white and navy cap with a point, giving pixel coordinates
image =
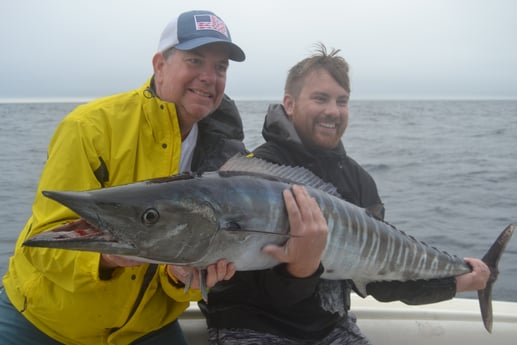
(194, 29)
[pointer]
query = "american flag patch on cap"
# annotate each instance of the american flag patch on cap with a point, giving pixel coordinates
(210, 22)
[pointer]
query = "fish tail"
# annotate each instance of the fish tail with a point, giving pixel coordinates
(491, 259)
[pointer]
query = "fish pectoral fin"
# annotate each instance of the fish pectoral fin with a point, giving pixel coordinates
(202, 283)
(239, 230)
(238, 226)
(188, 283)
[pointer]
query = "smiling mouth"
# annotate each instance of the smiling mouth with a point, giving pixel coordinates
(327, 125)
(201, 93)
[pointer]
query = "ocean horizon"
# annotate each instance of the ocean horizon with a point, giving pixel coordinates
(29, 100)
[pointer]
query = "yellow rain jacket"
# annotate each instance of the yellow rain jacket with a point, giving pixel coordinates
(111, 141)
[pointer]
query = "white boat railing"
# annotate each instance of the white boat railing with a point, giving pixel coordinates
(454, 322)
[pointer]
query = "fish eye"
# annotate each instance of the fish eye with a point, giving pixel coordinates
(150, 216)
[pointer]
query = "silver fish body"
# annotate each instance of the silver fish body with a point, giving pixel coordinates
(231, 214)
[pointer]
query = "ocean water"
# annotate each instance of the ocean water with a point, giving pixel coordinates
(446, 170)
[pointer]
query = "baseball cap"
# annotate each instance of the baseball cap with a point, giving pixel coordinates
(194, 29)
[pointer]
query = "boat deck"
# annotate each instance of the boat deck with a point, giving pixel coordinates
(457, 321)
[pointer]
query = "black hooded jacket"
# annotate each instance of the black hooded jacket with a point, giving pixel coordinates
(273, 301)
(220, 137)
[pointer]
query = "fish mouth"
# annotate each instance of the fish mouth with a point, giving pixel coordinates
(81, 235)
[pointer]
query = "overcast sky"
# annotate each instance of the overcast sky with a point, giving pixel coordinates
(396, 48)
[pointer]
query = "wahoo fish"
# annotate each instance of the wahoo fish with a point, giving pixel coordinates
(196, 220)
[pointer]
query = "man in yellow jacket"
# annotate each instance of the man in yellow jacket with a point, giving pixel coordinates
(57, 296)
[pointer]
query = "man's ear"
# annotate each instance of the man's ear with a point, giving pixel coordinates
(289, 104)
(158, 63)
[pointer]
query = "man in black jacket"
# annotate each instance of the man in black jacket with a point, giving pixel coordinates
(291, 304)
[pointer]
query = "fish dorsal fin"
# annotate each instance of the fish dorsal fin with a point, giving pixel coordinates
(242, 165)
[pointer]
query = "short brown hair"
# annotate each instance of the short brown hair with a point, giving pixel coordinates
(334, 64)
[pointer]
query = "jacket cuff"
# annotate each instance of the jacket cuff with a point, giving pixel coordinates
(414, 292)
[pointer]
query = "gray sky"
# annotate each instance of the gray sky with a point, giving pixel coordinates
(396, 48)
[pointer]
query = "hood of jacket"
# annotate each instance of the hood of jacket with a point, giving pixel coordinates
(225, 121)
(220, 137)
